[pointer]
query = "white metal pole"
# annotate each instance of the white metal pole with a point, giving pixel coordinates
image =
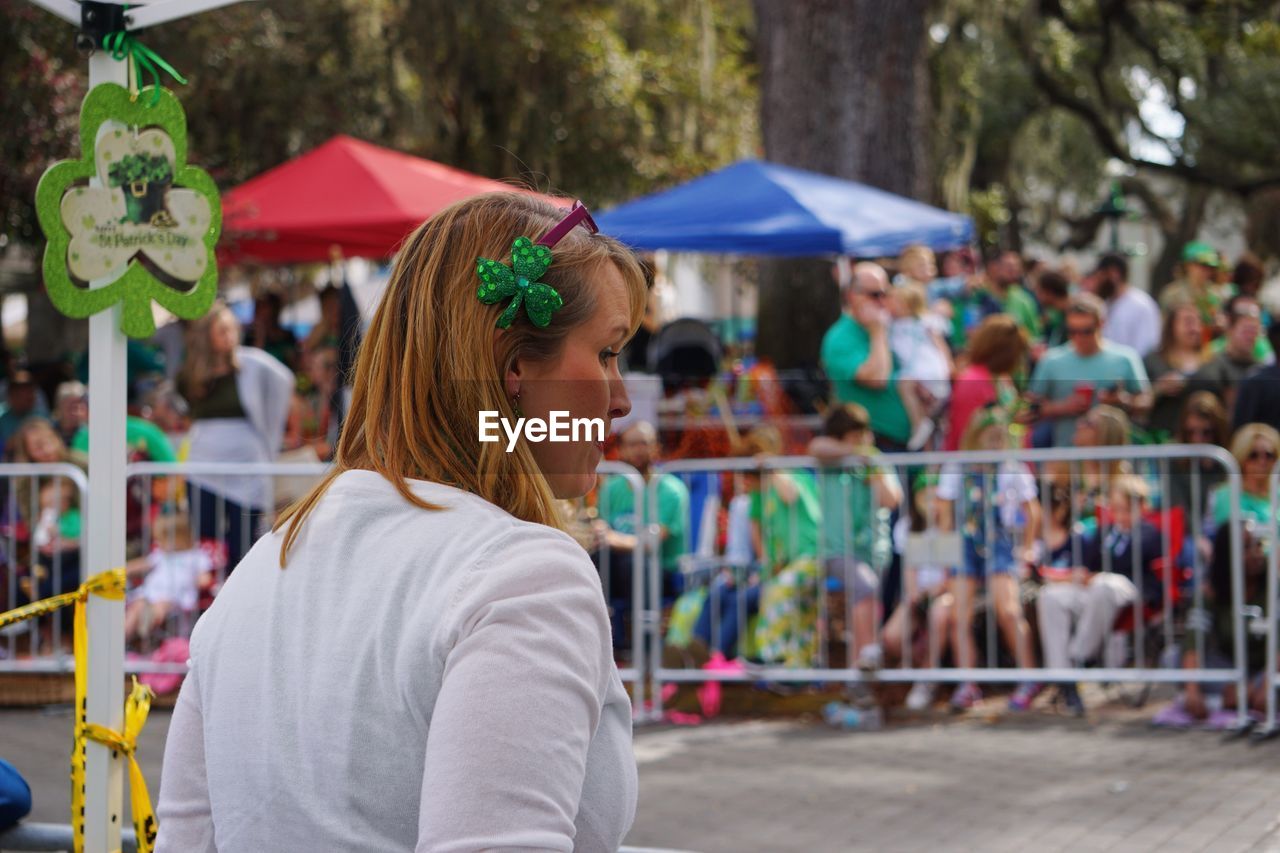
(104, 777)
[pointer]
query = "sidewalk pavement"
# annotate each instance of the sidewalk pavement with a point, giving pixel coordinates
(1034, 782)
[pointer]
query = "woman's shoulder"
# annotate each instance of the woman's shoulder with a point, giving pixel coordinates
(491, 531)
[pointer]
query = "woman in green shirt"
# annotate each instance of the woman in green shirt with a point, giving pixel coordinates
(786, 522)
(1255, 447)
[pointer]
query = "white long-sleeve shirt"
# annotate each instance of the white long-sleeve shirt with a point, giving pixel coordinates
(413, 680)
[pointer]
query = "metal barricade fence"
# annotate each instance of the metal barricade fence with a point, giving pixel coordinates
(622, 509)
(991, 497)
(1271, 611)
(42, 538)
(186, 513)
(195, 521)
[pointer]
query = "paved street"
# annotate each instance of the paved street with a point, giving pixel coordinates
(982, 783)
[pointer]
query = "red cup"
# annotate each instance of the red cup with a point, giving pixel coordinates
(1085, 393)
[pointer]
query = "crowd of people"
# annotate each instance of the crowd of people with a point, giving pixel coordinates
(202, 391)
(928, 354)
(1062, 558)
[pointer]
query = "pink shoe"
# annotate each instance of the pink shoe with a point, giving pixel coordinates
(709, 699)
(966, 696)
(719, 663)
(172, 650)
(679, 718)
(1022, 697)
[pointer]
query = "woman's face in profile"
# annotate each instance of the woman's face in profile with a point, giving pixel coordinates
(223, 336)
(583, 381)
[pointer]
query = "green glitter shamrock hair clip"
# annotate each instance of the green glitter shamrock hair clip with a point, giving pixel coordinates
(520, 281)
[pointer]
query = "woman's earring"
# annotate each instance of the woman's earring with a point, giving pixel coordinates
(515, 405)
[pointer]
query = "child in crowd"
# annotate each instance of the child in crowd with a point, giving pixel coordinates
(993, 506)
(1093, 578)
(173, 575)
(856, 505)
(786, 517)
(915, 632)
(924, 362)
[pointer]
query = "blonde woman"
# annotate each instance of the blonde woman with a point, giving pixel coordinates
(418, 656)
(1088, 481)
(1255, 447)
(239, 398)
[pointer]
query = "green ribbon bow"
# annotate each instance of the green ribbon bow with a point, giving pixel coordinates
(520, 280)
(121, 45)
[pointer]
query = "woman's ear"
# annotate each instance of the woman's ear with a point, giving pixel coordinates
(511, 375)
(511, 381)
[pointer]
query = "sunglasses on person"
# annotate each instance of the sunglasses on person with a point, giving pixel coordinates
(877, 295)
(1260, 454)
(1081, 332)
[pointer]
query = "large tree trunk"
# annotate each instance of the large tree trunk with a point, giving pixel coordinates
(844, 91)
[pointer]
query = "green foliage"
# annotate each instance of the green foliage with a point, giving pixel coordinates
(597, 99)
(40, 102)
(1052, 90)
(152, 168)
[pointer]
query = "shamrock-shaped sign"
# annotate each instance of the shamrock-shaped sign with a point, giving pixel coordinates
(520, 280)
(147, 230)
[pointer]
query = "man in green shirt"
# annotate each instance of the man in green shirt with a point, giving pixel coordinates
(858, 361)
(619, 523)
(1004, 282)
(1071, 379)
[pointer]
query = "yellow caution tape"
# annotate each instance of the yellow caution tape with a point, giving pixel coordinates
(110, 584)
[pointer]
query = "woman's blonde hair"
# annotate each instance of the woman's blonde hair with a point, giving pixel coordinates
(18, 443)
(1112, 426)
(1242, 441)
(433, 357)
(1111, 423)
(762, 440)
(1130, 487)
(201, 364)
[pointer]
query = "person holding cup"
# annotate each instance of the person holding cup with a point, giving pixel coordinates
(1086, 371)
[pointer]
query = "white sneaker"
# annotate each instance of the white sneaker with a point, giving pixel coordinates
(870, 658)
(920, 437)
(921, 696)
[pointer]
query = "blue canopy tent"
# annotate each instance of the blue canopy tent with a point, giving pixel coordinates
(760, 208)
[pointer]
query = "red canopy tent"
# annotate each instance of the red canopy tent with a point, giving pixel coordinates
(349, 193)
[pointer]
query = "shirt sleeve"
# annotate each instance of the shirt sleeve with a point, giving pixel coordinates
(843, 354)
(184, 813)
(521, 698)
(159, 447)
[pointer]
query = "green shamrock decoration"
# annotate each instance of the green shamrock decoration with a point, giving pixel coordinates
(158, 206)
(520, 280)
